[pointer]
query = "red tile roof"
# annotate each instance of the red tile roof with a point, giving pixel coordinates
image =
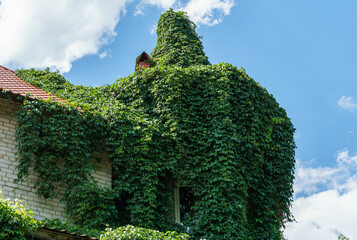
(13, 84)
(53, 233)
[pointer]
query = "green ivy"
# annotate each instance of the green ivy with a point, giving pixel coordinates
(16, 222)
(177, 42)
(342, 237)
(209, 127)
(69, 227)
(130, 232)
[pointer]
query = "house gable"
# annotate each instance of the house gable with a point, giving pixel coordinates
(14, 90)
(10, 83)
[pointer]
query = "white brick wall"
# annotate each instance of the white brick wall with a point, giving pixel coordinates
(25, 191)
(103, 172)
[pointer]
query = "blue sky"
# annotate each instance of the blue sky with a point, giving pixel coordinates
(304, 53)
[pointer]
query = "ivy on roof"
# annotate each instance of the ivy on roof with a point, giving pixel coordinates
(209, 127)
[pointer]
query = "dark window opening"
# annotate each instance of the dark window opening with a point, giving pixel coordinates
(184, 200)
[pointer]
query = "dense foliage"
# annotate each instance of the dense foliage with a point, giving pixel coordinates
(177, 42)
(71, 228)
(16, 222)
(49, 133)
(208, 127)
(130, 232)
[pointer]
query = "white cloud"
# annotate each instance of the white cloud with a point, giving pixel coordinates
(201, 12)
(52, 33)
(329, 206)
(345, 160)
(37, 33)
(297, 135)
(104, 54)
(153, 30)
(208, 12)
(309, 180)
(164, 4)
(347, 103)
(326, 214)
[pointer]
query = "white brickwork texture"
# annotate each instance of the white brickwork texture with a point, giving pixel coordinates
(25, 191)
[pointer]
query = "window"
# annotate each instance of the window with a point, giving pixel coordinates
(183, 201)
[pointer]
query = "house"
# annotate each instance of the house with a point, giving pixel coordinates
(13, 92)
(187, 140)
(201, 144)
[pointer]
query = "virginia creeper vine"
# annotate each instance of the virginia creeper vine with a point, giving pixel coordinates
(209, 127)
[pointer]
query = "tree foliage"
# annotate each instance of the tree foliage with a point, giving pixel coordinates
(209, 127)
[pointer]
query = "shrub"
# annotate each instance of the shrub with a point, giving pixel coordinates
(16, 222)
(137, 233)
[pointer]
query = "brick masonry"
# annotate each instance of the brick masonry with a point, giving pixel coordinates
(25, 191)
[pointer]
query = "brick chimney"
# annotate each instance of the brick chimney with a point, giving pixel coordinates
(142, 61)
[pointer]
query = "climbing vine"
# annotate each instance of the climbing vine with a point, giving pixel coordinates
(177, 42)
(209, 127)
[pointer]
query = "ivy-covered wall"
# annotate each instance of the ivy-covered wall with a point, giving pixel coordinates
(26, 191)
(208, 127)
